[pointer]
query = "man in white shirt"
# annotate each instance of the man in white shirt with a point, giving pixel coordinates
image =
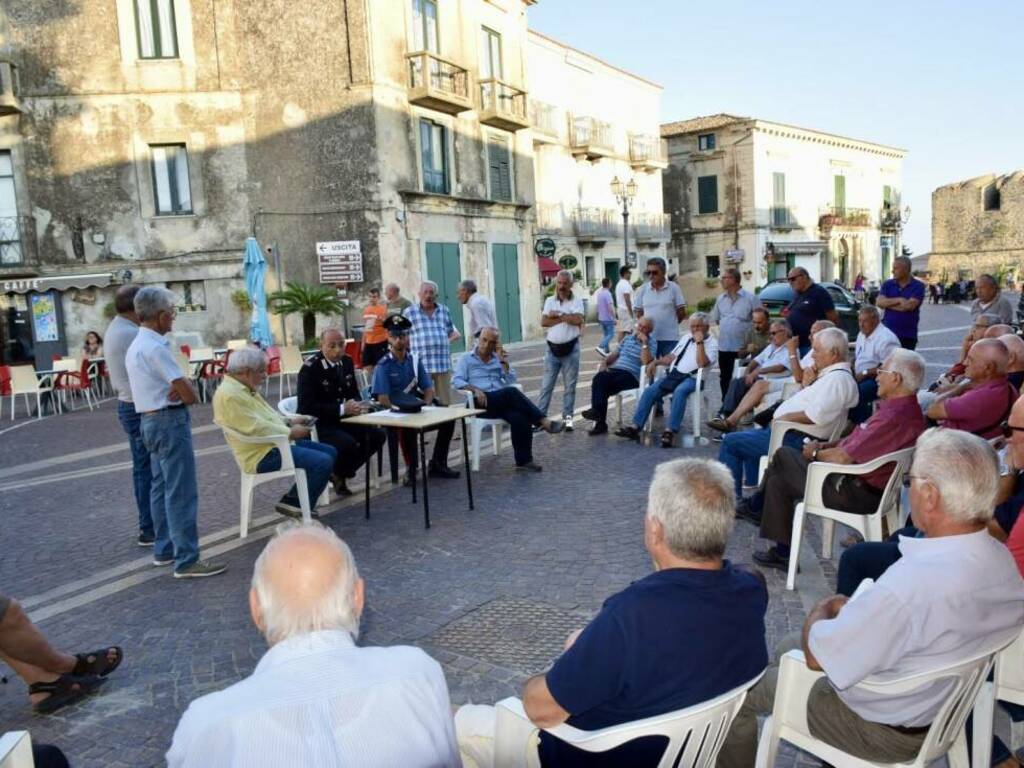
(825, 401)
(768, 372)
(316, 699)
(118, 337)
(161, 395)
(697, 349)
(481, 309)
(875, 343)
(563, 317)
(954, 594)
(623, 304)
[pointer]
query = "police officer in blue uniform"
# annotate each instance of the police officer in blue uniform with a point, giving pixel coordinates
(398, 375)
(328, 390)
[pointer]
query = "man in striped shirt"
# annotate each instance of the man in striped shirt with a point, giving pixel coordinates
(432, 334)
(618, 372)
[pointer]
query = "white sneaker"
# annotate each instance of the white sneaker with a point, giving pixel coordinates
(601, 352)
(567, 422)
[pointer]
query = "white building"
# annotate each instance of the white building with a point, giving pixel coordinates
(766, 196)
(593, 123)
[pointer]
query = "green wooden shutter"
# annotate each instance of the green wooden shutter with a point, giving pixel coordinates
(839, 196)
(780, 216)
(500, 172)
(443, 268)
(506, 291)
(707, 194)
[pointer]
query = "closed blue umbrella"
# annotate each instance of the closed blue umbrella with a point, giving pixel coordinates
(255, 267)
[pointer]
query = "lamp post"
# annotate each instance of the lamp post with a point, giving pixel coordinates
(624, 194)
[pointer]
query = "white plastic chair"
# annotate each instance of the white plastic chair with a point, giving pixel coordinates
(946, 735)
(477, 425)
(24, 381)
(695, 734)
(291, 364)
(288, 469)
(868, 526)
(16, 750)
(1007, 684)
(234, 344)
(630, 394)
(827, 432)
(693, 406)
(289, 408)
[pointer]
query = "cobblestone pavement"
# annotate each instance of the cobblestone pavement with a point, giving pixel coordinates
(490, 593)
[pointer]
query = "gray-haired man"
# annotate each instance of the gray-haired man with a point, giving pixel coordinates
(563, 317)
(162, 394)
(481, 309)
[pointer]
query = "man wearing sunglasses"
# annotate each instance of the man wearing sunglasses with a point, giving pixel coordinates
(812, 302)
(661, 300)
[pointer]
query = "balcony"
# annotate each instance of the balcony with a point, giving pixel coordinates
(846, 218)
(647, 153)
(890, 219)
(596, 225)
(9, 102)
(550, 220)
(18, 252)
(437, 83)
(544, 119)
(503, 106)
(651, 227)
(590, 138)
(782, 217)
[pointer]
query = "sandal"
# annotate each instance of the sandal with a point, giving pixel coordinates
(97, 662)
(66, 689)
(667, 438)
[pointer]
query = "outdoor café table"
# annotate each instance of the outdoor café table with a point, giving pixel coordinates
(427, 420)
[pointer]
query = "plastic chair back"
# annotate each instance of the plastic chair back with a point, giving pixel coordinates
(1009, 674)
(200, 354)
(23, 379)
(288, 407)
(291, 360)
(354, 350)
(5, 380)
(16, 750)
(66, 365)
(237, 344)
(186, 350)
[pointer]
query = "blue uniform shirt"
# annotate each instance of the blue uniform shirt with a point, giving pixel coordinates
(391, 377)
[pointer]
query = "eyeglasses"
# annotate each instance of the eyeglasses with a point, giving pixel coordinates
(1008, 429)
(794, 279)
(908, 479)
(776, 333)
(886, 370)
(652, 272)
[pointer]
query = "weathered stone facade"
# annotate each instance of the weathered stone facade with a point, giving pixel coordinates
(978, 227)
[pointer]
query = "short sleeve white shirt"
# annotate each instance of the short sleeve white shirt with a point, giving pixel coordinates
(872, 350)
(831, 395)
(773, 355)
(688, 362)
(151, 369)
(481, 314)
(562, 332)
(623, 288)
(118, 337)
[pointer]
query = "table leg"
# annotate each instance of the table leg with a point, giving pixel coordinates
(365, 438)
(423, 463)
(393, 454)
(465, 464)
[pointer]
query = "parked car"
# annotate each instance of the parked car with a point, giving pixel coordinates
(776, 297)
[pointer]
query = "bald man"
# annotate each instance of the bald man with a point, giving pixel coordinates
(1015, 368)
(316, 698)
(982, 408)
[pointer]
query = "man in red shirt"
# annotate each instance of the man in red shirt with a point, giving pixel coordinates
(895, 425)
(982, 408)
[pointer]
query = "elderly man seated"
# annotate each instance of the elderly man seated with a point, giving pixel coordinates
(832, 394)
(980, 328)
(955, 593)
(487, 374)
(1015, 368)
(690, 631)
(874, 343)
(316, 698)
(239, 406)
(695, 350)
(767, 372)
(618, 372)
(895, 425)
(982, 407)
(991, 300)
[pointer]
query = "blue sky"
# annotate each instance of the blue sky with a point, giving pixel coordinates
(942, 79)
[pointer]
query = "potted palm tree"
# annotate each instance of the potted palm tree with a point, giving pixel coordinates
(308, 301)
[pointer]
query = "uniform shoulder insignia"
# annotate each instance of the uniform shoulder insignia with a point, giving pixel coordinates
(308, 362)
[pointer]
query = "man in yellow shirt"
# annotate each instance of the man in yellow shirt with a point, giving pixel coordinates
(239, 406)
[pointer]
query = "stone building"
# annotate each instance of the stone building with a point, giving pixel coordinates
(765, 196)
(978, 227)
(593, 123)
(146, 139)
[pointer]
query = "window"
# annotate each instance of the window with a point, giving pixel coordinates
(707, 194)
(706, 141)
(424, 26)
(498, 163)
(434, 155)
(191, 295)
(154, 25)
(839, 194)
(886, 197)
(490, 55)
(993, 199)
(713, 266)
(10, 231)
(9, 78)
(780, 214)
(170, 179)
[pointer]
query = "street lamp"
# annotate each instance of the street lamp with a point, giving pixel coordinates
(624, 194)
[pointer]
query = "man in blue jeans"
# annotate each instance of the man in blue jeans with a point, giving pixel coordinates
(118, 337)
(562, 315)
(605, 316)
(239, 407)
(162, 393)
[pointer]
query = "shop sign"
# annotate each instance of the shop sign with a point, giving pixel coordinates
(568, 261)
(545, 247)
(340, 261)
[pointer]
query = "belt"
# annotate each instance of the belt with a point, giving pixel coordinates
(160, 410)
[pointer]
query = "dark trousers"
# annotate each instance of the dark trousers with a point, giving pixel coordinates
(407, 439)
(868, 393)
(733, 394)
(909, 343)
(868, 560)
(726, 366)
(783, 487)
(513, 406)
(348, 442)
(606, 384)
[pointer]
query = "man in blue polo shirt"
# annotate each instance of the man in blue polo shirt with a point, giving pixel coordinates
(901, 297)
(618, 372)
(689, 632)
(812, 303)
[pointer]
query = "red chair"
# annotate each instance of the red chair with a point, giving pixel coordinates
(5, 380)
(76, 381)
(355, 350)
(186, 350)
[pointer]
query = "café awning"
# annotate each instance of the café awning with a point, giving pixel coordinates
(56, 283)
(548, 266)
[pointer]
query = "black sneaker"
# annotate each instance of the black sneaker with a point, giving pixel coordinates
(447, 473)
(146, 539)
(589, 414)
(770, 558)
(341, 487)
(288, 510)
(630, 433)
(599, 428)
(529, 466)
(744, 511)
(200, 570)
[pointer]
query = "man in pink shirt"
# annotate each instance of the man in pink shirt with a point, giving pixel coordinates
(982, 408)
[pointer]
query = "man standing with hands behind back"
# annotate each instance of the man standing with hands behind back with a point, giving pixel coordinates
(563, 317)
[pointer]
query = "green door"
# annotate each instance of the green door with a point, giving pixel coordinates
(611, 271)
(443, 269)
(506, 291)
